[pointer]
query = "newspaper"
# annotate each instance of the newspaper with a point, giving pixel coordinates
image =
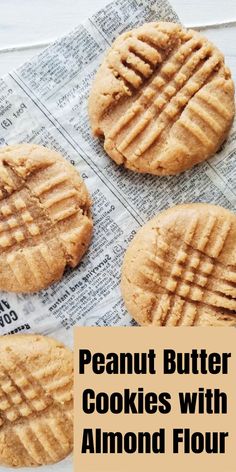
(45, 102)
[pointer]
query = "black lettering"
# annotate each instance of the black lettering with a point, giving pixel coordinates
(169, 361)
(165, 406)
(87, 442)
(87, 405)
(84, 359)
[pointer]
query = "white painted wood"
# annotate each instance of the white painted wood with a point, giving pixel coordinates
(24, 22)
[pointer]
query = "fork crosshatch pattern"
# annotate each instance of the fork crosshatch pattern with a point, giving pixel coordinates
(36, 401)
(180, 270)
(45, 221)
(163, 99)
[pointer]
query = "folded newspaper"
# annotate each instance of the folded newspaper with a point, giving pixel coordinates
(45, 102)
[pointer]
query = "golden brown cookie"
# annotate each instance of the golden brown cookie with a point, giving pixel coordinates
(163, 99)
(180, 269)
(36, 401)
(45, 222)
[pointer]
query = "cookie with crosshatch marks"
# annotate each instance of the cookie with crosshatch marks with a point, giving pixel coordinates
(36, 400)
(163, 99)
(180, 269)
(45, 221)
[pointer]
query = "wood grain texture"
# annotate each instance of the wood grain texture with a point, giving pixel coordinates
(34, 21)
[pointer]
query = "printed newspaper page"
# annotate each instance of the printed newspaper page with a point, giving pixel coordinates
(45, 102)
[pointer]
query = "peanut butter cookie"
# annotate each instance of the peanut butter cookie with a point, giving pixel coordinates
(36, 401)
(45, 222)
(163, 99)
(180, 269)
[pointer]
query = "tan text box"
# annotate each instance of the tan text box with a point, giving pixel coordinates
(196, 343)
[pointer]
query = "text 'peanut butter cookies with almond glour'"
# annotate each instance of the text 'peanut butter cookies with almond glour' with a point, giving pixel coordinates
(45, 222)
(163, 99)
(180, 269)
(36, 401)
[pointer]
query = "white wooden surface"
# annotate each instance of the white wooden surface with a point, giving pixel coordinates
(27, 22)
